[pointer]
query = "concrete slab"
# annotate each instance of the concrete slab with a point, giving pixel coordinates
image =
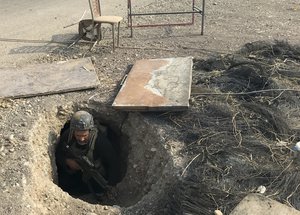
(157, 84)
(256, 204)
(46, 79)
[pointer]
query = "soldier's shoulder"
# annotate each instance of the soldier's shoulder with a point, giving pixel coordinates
(64, 136)
(102, 129)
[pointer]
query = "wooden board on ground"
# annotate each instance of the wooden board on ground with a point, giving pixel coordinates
(157, 84)
(45, 79)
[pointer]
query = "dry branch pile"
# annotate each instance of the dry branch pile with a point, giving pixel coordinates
(239, 132)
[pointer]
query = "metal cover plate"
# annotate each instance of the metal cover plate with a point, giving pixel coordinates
(44, 79)
(157, 84)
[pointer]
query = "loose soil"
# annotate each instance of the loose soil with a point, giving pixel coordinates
(209, 157)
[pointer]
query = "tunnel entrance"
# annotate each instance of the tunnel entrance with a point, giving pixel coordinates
(92, 183)
(140, 151)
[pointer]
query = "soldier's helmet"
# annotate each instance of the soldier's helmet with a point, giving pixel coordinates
(82, 120)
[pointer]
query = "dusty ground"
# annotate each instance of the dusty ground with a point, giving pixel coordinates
(29, 127)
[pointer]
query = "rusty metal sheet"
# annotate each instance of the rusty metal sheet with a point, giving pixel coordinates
(45, 79)
(157, 84)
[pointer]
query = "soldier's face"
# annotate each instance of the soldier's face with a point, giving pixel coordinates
(82, 137)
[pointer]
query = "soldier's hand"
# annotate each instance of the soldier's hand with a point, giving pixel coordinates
(72, 164)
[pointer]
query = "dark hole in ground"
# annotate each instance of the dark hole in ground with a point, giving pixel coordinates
(76, 185)
(143, 172)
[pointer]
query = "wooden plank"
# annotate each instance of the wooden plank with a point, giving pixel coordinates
(44, 79)
(157, 84)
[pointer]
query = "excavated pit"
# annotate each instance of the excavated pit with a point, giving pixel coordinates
(145, 168)
(236, 139)
(119, 143)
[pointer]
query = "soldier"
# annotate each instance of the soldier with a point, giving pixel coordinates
(86, 160)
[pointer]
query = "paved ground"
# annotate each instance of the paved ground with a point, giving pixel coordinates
(28, 26)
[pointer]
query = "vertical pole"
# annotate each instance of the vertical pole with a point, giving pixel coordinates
(113, 35)
(193, 9)
(127, 13)
(100, 31)
(99, 7)
(203, 16)
(118, 42)
(130, 17)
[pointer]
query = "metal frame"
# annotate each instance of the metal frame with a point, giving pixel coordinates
(195, 10)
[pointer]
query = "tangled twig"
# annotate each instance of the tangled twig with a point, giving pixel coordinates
(189, 164)
(237, 133)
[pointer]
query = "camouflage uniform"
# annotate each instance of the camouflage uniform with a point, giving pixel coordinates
(99, 151)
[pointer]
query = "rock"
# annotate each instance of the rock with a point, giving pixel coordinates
(105, 207)
(62, 110)
(261, 189)
(29, 112)
(83, 106)
(5, 105)
(24, 181)
(153, 149)
(258, 204)
(218, 212)
(24, 138)
(11, 138)
(93, 59)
